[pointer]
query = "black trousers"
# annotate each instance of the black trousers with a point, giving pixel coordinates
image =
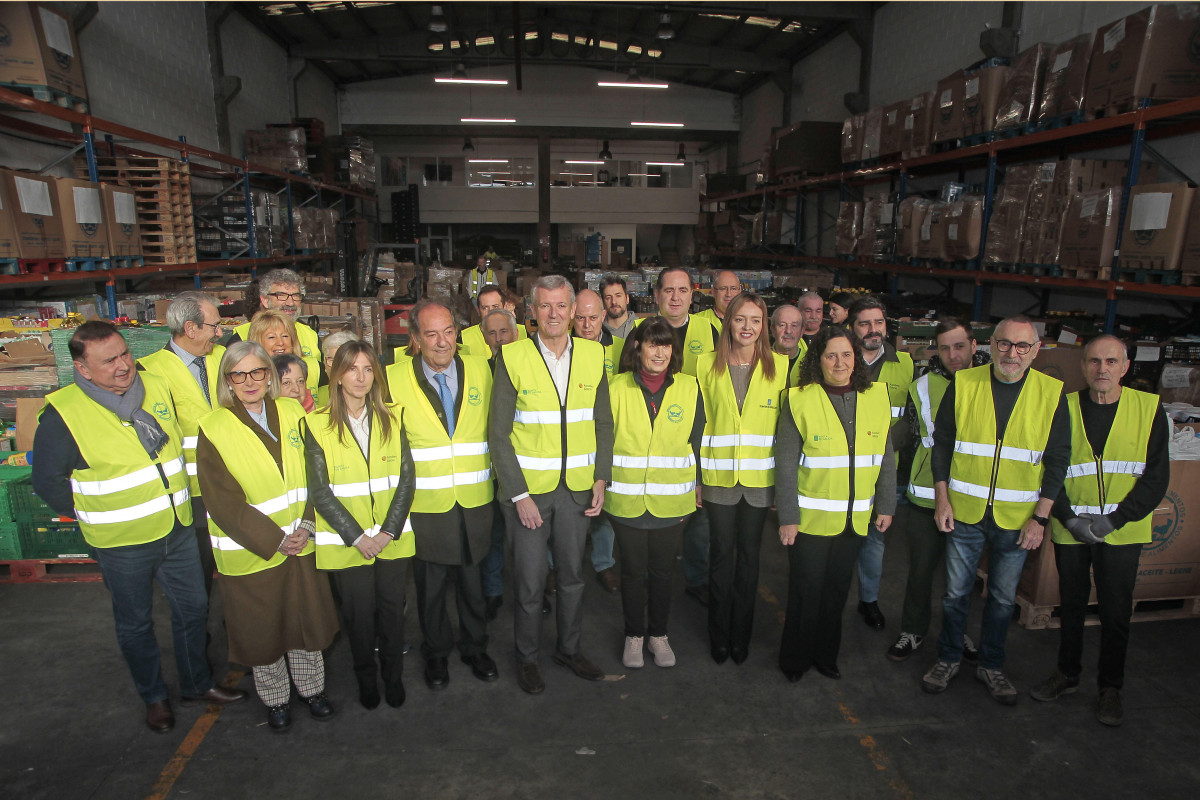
(1115, 569)
(820, 569)
(734, 544)
(372, 601)
(208, 562)
(926, 549)
(432, 582)
(647, 552)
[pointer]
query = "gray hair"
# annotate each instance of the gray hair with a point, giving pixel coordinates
(280, 275)
(414, 314)
(501, 312)
(333, 341)
(236, 352)
(807, 295)
(775, 314)
(551, 283)
(187, 307)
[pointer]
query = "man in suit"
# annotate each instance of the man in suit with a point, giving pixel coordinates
(551, 438)
(499, 328)
(444, 399)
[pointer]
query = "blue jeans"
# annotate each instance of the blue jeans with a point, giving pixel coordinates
(964, 546)
(695, 550)
(870, 565)
(129, 574)
(492, 569)
(602, 545)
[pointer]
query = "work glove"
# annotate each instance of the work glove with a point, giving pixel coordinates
(1101, 526)
(1081, 528)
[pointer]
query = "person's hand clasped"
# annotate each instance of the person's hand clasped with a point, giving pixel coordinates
(1081, 529)
(371, 545)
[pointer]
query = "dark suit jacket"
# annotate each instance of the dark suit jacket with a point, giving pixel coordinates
(460, 535)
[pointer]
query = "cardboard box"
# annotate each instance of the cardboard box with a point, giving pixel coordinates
(872, 132)
(891, 134)
(1189, 260)
(1155, 226)
(39, 48)
(852, 131)
(1020, 96)
(849, 228)
(912, 211)
(121, 223)
(1089, 233)
(1066, 78)
(9, 239)
(1007, 225)
(35, 214)
(981, 93)
(915, 138)
(806, 148)
(931, 236)
(1064, 363)
(1148, 54)
(947, 122)
(27, 420)
(963, 226)
(85, 233)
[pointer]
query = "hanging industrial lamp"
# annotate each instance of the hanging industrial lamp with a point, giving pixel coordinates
(605, 153)
(467, 146)
(437, 20)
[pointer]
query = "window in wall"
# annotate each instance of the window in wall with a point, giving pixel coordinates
(629, 174)
(502, 173)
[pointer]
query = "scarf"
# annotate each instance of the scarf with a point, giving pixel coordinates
(128, 408)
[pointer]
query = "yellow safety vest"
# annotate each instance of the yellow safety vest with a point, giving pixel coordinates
(612, 355)
(120, 499)
(474, 343)
(654, 468)
(1096, 485)
(794, 373)
(310, 351)
(1007, 473)
(824, 475)
(539, 417)
(927, 392)
(710, 314)
(449, 470)
(738, 447)
(365, 489)
(898, 376)
(280, 497)
(697, 340)
(190, 403)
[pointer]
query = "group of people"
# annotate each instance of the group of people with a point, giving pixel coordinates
(673, 435)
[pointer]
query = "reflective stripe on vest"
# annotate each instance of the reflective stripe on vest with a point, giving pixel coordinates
(738, 445)
(824, 473)
(926, 392)
(654, 467)
(539, 419)
(1007, 473)
(120, 498)
(898, 376)
(190, 404)
(1096, 484)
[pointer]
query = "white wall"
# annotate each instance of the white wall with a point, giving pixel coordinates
(262, 66)
(762, 111)
(318, 97)
(820, 81)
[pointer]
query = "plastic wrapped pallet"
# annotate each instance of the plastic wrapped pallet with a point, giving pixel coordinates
(931, 237)
(947, 124)
(878, 239)
(1020, 98)
(1066, 79)
(1148, 54)
(963, 225)
(981, 93)
(915, 136)
(281, 149)
(871, 133)
(1007, 224)
(852, 132)
(849, 228)
(911, 217)
(1155, 226)
(1090, 230)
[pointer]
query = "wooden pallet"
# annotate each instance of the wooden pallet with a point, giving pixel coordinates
(1037, 617)
(1088, 273)
(50, 570)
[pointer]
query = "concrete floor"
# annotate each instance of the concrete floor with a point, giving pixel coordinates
(74, 728)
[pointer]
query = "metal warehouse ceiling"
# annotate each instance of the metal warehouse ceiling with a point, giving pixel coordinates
(730, 47)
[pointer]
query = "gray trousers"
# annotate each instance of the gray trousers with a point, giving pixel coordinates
(564, 529)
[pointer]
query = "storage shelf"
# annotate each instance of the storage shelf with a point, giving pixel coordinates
(110, 275)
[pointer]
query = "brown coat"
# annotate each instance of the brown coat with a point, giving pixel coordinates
(289, 607)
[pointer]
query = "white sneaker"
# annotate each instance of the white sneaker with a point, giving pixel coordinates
(632, 657)
(660, 648)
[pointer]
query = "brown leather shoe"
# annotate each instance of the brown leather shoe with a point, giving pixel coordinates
(580, 665)
(529, 678)
(217, 694)
(159, 717)
(609, 580)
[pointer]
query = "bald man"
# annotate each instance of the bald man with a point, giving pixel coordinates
(726, 286)
(786, 325)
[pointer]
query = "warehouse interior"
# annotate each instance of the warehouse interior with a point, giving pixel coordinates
(381, 148)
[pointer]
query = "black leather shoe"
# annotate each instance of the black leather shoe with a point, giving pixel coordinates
(720, 653)
(437, 674)
(529, 678)
(159, 717)
(279, 718)
(492, 606)
(700, 592)
(580, 665)
(395, 694)
(739, 654)
(218, 695)
(318, 706)
(833, 673)
(368, 694)
(793, 675)
(482, 666)
(872, 615)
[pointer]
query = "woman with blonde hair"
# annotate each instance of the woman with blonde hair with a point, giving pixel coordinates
(742, 382)
(276, 332)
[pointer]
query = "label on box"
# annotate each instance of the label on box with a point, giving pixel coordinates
(58, 32)
(1147, 353)
(887, 213)
(34, 196)
(1046, 172)
(908, 122)
(891, 117)
(1114, 36)
(124, 208)
(1087, 205)
(952, 231)
(1175, 378)
(972, 88)
(87, 205)
(1061, 62)
(1149, 211)
(927, 228)
(946, 99)
(917, 102)
(1067, 336)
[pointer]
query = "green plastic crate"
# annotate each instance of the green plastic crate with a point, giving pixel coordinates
(13, 480)
(10, 541)
(52, 540)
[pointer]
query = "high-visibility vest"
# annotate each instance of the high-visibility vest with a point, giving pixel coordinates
(697, 340)
(539, 417)
(738, 447)
(612, 355)
(926, 392)
(794, 373)
(190, 403)
(474, 343)
(120, 499)
(1097, 485)
(279, 497)
(654, 468)
(710, 314)
(310, 351)
(898, 376)
(365, 489)
(449, 470)
(825, 471)
(1005, 473)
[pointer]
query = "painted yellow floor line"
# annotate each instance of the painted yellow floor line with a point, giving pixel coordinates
(191, 743)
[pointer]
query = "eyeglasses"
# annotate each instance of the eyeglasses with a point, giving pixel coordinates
(285, 296)
(1004, 345)
(239, 377)
(216, 326)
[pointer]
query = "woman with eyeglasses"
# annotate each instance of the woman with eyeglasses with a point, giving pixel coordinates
(742, 383)
(361, 480)
(279, 611)
(834, 475)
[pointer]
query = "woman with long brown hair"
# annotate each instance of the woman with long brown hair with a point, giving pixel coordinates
(742, 383)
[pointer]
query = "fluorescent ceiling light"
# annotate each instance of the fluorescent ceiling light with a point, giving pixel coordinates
(643, 175)
(484, 119)
(581, 174)
(489, 174)
(657, 124)
(487, 160)
(664, 163)
(479, 81)
(631, 85)
(583, 162)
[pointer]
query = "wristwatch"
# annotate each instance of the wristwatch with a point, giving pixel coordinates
(1043, 521)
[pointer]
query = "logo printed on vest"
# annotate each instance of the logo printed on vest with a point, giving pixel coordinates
(608, 365)
(587, 387)
(694, 346)
(474, 396)
(294, 438)
(162, 411)
(675, 413)
(306, 351)
(821, 437)
(531, 391)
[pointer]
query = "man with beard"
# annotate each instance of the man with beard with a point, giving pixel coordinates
(617, 319)
(812, 310)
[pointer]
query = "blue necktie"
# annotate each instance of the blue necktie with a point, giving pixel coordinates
(447, 401)
(199, 362)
